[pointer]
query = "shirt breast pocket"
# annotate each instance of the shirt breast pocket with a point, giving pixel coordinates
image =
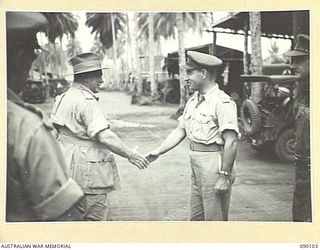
(204, 126)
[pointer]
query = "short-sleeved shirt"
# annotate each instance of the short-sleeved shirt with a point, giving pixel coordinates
(205, 122)
(38, 187)
(78, 110)
(79, 119)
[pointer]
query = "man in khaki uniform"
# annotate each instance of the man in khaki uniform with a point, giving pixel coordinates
(209, 121)
(86, 137)
(38, 187)
(302, 209)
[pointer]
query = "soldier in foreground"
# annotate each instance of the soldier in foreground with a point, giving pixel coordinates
(86, 137)
(302, 194)
(209, 121)
(38, 188)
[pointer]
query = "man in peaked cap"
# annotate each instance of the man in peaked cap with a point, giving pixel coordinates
(38, 187)
(302, 194)
(209, 121)
(86, 137)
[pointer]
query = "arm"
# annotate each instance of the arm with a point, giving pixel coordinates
(229, 150)
(114, 144)
(229, 154)
(98, 127)
(228, 127)
(48, 188)
(172, 140)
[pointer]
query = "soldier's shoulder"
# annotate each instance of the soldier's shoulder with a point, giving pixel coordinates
(27, 117)
(83, 94)
(224, 97)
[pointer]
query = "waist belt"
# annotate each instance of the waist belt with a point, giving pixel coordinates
(214, 147)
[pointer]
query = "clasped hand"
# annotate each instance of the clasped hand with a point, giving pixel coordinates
(152, 155)
(138, 159)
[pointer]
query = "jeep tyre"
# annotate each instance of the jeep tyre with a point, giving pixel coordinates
(250, 117)
(285, 145)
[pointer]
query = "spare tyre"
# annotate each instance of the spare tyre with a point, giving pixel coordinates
(285, 145)
(250, 117)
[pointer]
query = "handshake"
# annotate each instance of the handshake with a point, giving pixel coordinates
(141, 161)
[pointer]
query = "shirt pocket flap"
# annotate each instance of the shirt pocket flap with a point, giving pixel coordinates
(204, 118)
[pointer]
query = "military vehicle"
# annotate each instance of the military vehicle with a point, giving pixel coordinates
(270, 121)
(34, 91)
(58, 86)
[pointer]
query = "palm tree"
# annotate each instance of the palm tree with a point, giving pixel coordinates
(154, 89)
(274, 56)
(60, 24)
(168, 25)
(98, 47)
(73, 47)
(136, 42)
(182, 59)
(108, 26)
(256, 54)
(52, 59)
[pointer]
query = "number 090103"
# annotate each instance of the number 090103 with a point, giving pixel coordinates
(309, 246)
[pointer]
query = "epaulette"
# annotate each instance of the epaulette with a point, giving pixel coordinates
(225, 98)
(88, 96)
(15, 99)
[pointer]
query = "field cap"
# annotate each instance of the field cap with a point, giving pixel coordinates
(25, 21)
(197, 60)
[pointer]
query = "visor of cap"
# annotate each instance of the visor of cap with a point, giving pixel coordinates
(25, 21)
(189, 66)
(296, 53)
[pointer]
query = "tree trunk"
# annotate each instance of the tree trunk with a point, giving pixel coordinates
(129, 52)
(256, 55)
(114, 57)
(182, 60)
(137, 68)
(151, 55)
(245, 51)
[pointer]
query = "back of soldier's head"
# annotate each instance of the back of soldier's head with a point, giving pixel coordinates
(21, 30)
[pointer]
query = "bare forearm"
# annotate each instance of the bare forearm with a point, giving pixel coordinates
(172, 140)
(113, 143)
(229, 153)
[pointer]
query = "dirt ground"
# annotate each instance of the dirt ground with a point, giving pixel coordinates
(263, 189)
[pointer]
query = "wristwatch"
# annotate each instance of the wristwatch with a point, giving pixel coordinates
(225, 173)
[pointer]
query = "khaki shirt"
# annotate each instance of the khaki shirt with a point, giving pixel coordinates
(78, 117)
(78, 110)
(38, 187)
(205, 122)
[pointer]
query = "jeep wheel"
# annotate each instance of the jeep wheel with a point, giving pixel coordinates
(285, 145)
(250, 117)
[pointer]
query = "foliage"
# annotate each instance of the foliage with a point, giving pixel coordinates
(165, 23)
(98, 47)
(101, 24)
(60, 24)
(73, 47)
(52, 58)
